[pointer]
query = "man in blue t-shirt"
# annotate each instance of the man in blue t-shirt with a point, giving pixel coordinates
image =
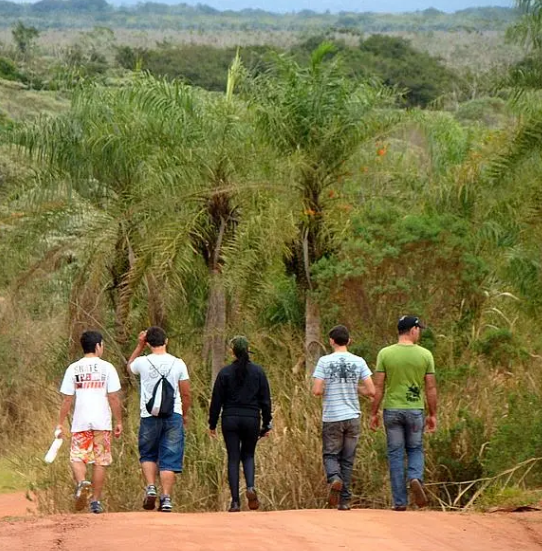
(340, 378)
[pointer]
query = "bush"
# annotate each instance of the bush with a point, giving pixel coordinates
(518, 436)
(500, 347)
(9, 71)
(454, 454)
(487, 111)
(421, 76)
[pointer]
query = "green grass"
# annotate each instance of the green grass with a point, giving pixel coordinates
(511, 497)
(11, 480)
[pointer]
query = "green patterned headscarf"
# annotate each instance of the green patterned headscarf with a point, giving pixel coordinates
(239, 345)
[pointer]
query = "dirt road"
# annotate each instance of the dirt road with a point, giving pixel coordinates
(15, 505)
(364, 530)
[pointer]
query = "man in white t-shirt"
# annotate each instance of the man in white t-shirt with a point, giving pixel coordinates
(161, 437)
(95, 385)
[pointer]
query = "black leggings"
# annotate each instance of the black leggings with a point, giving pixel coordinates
(241, 436)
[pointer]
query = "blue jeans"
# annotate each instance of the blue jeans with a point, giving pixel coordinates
(404, 432)
(161, 441)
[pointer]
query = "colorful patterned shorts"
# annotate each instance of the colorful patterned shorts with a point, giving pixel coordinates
(91, 446)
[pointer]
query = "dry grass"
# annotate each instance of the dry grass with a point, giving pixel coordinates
(18, 102)
(289, 465)
(479, 51)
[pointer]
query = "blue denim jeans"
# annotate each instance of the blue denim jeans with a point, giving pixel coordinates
(340, 440)
(161, 441)
(404, 432)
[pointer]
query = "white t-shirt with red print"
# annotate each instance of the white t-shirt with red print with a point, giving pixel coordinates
(90, 380)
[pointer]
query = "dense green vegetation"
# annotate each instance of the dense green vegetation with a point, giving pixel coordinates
(339, 179)
(391, 59)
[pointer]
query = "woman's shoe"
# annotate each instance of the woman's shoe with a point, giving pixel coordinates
(235, 507)
(253, 501)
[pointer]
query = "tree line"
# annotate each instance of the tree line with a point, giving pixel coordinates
(68, 13)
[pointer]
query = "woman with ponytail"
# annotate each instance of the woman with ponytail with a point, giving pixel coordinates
(241, 392)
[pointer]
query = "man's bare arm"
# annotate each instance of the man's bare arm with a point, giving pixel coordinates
(366, 388)
(115, 404)
(379, 379)
(318, 387)
(186, 399)
(65, 408)
(138, 350)
(432, 399)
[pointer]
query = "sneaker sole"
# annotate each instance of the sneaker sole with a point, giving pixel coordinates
(82, 500)
(335, 493)
(420, 499)
(149, 503)
(253, 501)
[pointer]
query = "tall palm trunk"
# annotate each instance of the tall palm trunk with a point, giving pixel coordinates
(215, 325)
(121, 292)
(313, 345)
(155, 301)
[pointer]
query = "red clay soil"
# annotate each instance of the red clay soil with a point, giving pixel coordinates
(15, 505)
(364, 530)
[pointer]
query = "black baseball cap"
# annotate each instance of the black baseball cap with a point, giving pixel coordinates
(408, 322)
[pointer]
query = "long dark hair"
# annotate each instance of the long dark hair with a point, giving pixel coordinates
(239, 346)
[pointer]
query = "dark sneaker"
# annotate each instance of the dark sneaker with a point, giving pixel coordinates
(165, 504)
(399, 508)
(416, 487)
(335, 487)
(96, 507)
(81, 495)
(344, 506)
(150, 498)
(234, 507)
(253, 501)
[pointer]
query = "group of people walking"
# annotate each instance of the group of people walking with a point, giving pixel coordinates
(405, 372)
(242, 399)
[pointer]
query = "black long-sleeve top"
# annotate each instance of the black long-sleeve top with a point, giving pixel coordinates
(247, 400)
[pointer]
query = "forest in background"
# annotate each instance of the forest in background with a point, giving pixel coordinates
(147, 15)
(334, 177)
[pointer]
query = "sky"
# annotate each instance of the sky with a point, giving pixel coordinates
(391, 6)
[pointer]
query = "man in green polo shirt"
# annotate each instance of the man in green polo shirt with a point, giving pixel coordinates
(404, 372)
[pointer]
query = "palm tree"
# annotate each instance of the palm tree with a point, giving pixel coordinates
(106, 151)
(162, 166)
(315, 119)
(525, 80)
(222, 161)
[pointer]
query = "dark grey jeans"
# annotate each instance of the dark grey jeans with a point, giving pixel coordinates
(340, 440)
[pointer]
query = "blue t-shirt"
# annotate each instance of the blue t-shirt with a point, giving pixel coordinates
(342, 372)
